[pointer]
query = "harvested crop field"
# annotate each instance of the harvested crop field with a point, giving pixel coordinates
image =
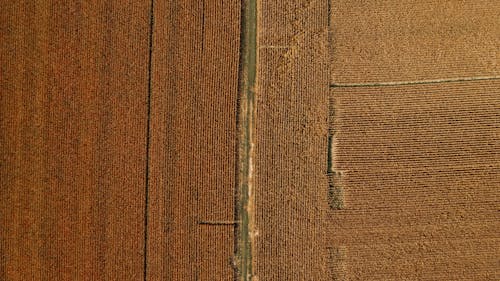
(377, 141)
(250, 140)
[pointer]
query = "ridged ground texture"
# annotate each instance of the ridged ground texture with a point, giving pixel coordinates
(377, 140)
(374, 146)
(87, 191)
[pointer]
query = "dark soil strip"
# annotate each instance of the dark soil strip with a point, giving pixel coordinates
(247, 76)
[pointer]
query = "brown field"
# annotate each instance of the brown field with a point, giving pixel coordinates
(134, 144)
(194, 141)
(377, 141)
(291, 141)
(405, 40)
(418, 168)
(75, 149)
(73, 108)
